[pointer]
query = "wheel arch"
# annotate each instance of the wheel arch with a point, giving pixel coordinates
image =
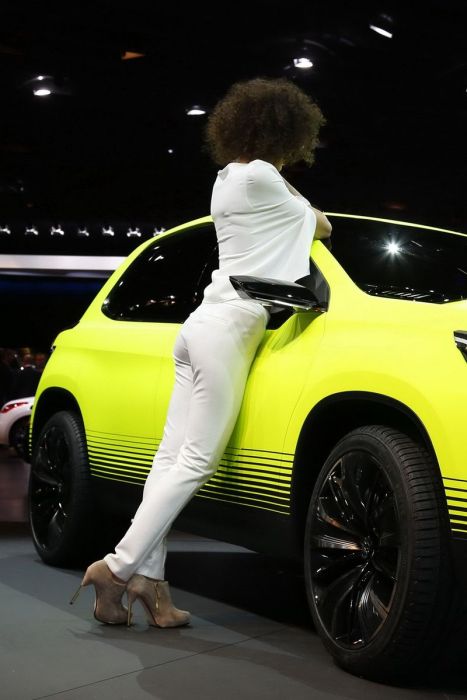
(331, 419)
(51, 401)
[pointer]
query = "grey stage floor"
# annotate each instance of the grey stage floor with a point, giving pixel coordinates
(250, 637)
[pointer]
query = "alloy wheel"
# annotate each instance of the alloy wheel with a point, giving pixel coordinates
(355, 549)
(50, 487)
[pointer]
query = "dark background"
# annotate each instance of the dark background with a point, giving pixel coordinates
(96, 151)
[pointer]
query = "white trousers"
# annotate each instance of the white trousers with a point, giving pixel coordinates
(213, 353)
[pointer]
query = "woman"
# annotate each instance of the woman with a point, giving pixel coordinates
(264, 228)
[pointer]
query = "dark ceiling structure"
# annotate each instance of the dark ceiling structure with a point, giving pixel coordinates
(112, 144)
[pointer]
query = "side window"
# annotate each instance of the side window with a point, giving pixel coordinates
(162, 284)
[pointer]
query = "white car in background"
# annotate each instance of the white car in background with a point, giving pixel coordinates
(14, 424)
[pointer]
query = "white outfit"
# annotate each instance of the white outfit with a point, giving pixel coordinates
(264, 228)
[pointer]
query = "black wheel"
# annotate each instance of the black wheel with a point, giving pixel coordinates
(61, 507)
(377, 555)
(19, 434)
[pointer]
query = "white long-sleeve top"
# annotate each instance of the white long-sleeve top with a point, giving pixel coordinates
(264, 227)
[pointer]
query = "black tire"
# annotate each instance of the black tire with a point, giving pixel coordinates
(18, 437)
(62, 512)
(378, 568)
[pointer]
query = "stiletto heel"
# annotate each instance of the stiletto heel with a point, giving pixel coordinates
(156, 600)
(76, 594)
(128, 619)
(108, 606)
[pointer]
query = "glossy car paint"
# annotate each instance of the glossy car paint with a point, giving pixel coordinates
(121, 375)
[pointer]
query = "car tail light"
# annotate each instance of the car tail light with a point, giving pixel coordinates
(460, 338)
(14, 404)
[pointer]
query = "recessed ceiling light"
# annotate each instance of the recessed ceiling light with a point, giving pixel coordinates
(195, 111)
(42, 92)
(380, 30)
(302, 63)
(382, 24)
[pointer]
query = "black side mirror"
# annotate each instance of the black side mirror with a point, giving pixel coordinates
(282, 293)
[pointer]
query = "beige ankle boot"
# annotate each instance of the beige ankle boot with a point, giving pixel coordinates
(108, 606)
(156, 600)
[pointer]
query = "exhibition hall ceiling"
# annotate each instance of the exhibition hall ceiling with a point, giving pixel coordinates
(110, 138)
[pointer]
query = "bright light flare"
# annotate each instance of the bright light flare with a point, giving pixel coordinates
(393, 248)
(42, 92)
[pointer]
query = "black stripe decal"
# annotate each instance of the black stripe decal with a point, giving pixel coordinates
(239, 485)
(123, 448)
(454, 516)
(456, 498)
(266, 466)
(109, 457)
(253, 478)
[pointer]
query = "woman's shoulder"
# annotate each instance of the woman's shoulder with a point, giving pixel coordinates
(264, 184)
(262, 173)
(259, 166)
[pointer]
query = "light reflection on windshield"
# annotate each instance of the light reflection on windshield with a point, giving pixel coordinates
(400, 261)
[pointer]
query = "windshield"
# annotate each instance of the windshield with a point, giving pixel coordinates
(403, 262)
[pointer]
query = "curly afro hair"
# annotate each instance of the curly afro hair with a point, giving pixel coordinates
(266, 118)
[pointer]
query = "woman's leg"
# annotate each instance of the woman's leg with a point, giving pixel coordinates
(172, 439)
(221, 345)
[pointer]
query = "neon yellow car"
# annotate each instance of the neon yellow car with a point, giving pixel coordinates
(349, 453)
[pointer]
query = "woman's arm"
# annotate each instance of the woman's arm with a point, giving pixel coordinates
(323, 225)
(266, 185)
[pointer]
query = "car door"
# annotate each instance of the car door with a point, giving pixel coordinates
(186, 255)
(254, 470)
(132, 352)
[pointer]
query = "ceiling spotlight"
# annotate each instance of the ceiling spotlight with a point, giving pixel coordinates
(31, 231)
(302, 62)
(157, 231)
(195, 111)
(108, 231)
(57, 231)
(83, 232)
(170, 150)
(383, 25)
(6, 230)
(43, 85)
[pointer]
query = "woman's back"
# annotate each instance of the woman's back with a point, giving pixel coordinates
(262, 228)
